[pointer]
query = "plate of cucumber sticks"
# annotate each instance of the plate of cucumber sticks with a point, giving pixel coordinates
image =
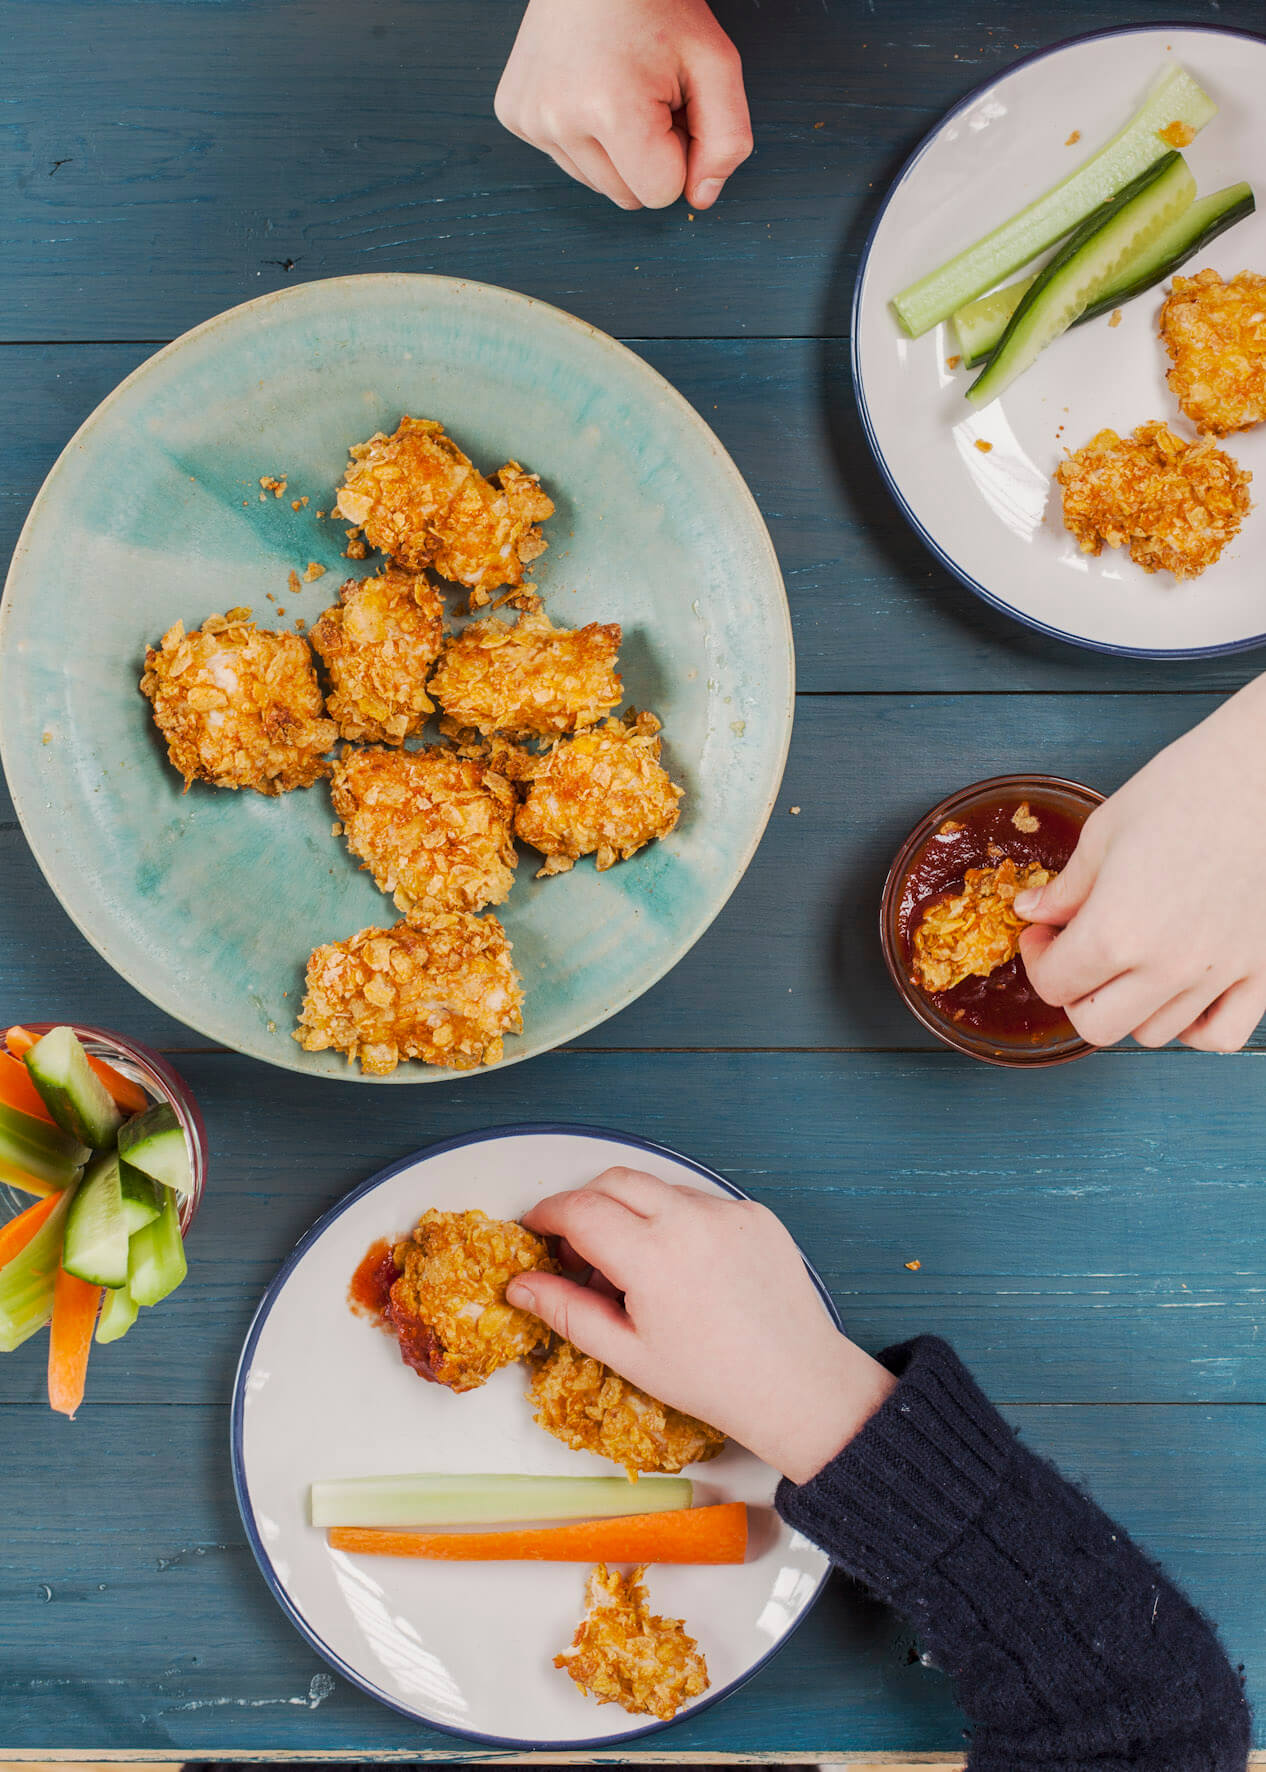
(101, 1170)
(1016, 321)
(435, 1545)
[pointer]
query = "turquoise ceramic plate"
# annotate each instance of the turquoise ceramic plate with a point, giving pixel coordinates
(209, 902)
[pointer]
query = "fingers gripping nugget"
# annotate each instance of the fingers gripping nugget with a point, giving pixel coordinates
(592, 1409)
(602, 793)
(1215, 332)
(625, 1654)
(433, 828)
(379, 643)
(974, 931)
(448, 1308)
(239, 706)
(421, 500)
(528, 679)
(1175, 505)
(445, 994)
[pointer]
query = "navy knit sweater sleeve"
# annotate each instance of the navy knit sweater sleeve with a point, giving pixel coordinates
(1069, 1650)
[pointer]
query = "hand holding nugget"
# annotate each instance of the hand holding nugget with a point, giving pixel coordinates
(1155, 927)
(718, 1315)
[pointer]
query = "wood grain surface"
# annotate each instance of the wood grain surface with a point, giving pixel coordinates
(1090, 1238)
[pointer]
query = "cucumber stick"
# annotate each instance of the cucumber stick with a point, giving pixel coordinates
(156, 1255)
(26, 1282)
(118, 1314)
(71, 1090)
(155, 1143)
(96, 1245)
(1082, 268)
(1175, 98)
(429, 1499)
(982, 323)
(142, 1199)
(37, 1157)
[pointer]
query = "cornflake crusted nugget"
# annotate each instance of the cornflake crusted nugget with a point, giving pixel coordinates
(239, 706)
(602, 793)
(528, 678)
(419, 498)
(445, 994)
(448, 1307)
(973, 932)
(1174, 504)
(592, 1409)
(379, 643)
(433, 828)
(1215, 332)
(625, 1654)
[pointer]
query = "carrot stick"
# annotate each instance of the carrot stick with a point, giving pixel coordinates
(124, 1092)
(18, 1091)
(15, 1235)
(685, 1535)
(75, 1305)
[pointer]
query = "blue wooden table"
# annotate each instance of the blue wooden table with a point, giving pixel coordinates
(1090, 1238)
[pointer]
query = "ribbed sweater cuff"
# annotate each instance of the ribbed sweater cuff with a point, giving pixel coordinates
(914, 1479)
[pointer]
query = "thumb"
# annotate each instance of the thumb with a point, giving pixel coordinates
(1061, 898)
(591, 1321)
(717, 122)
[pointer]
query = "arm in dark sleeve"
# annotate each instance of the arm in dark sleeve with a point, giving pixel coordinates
(1069, 1650)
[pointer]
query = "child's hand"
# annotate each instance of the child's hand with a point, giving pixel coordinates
(638, 99)
(1158, 923)
(718, 1315)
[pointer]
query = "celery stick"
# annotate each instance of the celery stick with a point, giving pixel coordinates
(37, 1157)
(26, 1282)
(437, 1499)
(118, 1314)
(156, 1255)
(1175, 98)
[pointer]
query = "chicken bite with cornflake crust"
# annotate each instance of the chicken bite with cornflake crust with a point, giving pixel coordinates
(239, 706)
(602, 793)
(1215, 333)
(445, 994)
(379, 642)
(528, 679)
(448, 1307)
(433, 828)
(1174, 505)
(625, 1654)
(592, 1409)
(421, 500)
(973, 932)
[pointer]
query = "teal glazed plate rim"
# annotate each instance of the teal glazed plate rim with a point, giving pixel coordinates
(210, 902)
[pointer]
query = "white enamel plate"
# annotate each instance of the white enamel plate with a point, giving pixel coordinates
(320, 1392)
(993, 516)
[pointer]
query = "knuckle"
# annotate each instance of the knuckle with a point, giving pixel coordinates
(1096, 1024)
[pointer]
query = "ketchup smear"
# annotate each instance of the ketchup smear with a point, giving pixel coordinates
(1003, 1005)
(370, 1291)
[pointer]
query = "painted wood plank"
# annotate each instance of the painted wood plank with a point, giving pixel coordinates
(214, 151)
(871, 609)
(1090, 1234)
(145, 1553)
(794, 959)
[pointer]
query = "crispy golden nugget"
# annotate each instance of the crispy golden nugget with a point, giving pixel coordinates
(419, 498)
(379, 642)
(448, 1308)
(1175, 505)
(239, 706)
(528, 679)
(445, 994)
(973, 932)
(625, 1654)
(433, 828)
(592, 1409)
(602, 793)
(1215, 332)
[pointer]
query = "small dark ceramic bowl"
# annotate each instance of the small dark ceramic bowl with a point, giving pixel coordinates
(1056, 1044)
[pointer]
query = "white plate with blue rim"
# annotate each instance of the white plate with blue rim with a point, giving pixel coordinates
(321, 1392)
(992, 515)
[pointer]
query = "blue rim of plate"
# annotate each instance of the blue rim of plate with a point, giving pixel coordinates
(537, 1129)
(925, 536)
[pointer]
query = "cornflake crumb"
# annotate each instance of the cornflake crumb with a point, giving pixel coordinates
(1116, 317)
(914, 1266)
(983, 446)
(297, 504)
(952, 362)
(795, 812)
(293, 581)
(1023, 820)
(356, 548)
(276, 484)
(313, 570)
(950, 826)
(1178, 134)
(320, 513)
(1073, 139)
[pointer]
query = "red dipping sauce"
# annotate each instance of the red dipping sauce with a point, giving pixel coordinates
(998, 1017)
(370, 1291)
